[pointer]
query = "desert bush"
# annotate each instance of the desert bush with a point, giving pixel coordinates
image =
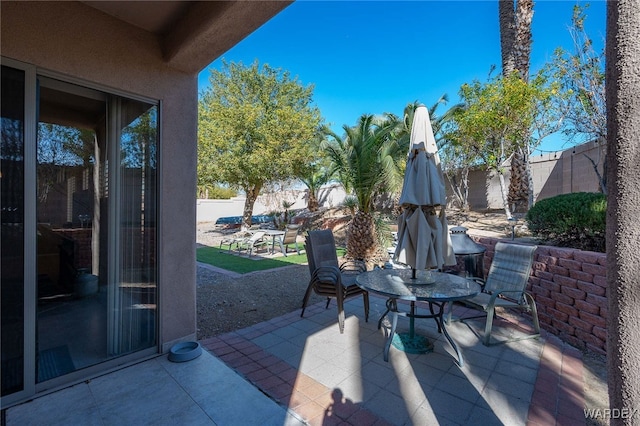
(576, 220)
(215, 192)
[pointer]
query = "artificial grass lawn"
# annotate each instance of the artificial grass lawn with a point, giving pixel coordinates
(243, 265)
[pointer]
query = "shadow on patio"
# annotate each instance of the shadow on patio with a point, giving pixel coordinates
(326, 377)
(293, 370)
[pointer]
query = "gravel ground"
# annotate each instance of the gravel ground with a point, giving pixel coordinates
(226, 303)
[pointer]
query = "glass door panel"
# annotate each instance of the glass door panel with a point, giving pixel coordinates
(96, 228)
(137, 294)
(71, 279)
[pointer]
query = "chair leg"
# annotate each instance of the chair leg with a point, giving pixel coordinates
(534, 313)
(489, 324)
(365, 297)
(340, 302)
(328, 301)
(297, 249)
(307, 294)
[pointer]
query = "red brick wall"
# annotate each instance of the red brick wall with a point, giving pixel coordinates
(570, 290)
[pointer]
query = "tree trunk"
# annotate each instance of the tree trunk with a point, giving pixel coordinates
(312, 202)
(522, 44)
(623, 208)
(602, 178)
(519, 54)
(460, 188)
(252, 195)
(530, 181)
(519, 182)
(361, 236)
(506, 14)
(503, 192)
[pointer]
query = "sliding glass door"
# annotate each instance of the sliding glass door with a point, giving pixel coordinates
(89, 203)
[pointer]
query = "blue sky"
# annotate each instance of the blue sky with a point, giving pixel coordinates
(378, 56)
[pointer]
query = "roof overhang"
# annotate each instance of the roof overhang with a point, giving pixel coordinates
(193, 33)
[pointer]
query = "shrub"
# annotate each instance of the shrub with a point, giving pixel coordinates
(576, 220)
(216, 192)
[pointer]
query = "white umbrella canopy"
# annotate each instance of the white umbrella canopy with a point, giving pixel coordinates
(423, 234)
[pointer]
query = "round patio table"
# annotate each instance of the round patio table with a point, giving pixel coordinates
(435, 288)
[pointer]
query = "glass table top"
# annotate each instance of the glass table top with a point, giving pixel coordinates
(428, 285)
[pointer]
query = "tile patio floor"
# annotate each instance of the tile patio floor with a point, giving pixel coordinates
(293, 370)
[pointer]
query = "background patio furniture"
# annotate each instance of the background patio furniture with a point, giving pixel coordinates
(330, 279)
(290, 237)
(255, 241)
(505, 287)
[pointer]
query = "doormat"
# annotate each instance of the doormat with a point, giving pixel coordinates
(54, 362)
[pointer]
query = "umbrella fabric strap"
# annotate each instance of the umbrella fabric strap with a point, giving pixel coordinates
(415, 152)
(430, 210)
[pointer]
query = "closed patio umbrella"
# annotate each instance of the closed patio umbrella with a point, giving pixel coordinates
(423, 235)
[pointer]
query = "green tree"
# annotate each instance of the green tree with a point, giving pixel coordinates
(456, 159)
(316, 173)
(364, 160)
(496, 119)
(581, 99)
(254, 125)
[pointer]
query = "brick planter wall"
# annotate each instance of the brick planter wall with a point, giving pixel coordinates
(570, 290)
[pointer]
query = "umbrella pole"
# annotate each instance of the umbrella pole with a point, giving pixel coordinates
(410, 342)
(413, 310)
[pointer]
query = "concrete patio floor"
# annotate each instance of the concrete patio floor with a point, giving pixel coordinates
(293, 370)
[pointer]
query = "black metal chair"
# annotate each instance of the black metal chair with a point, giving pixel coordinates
(330, 279)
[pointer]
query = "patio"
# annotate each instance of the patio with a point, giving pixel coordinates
(293, 370)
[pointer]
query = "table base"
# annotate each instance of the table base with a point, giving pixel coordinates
(415, 344)
(411, 340)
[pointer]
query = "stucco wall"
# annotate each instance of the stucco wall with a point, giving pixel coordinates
(75, 40)
(556, 173)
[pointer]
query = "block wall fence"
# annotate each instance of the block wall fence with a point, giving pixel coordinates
(570, 290)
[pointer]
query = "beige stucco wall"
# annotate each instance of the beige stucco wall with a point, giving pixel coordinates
(555, 173)
(78, 41)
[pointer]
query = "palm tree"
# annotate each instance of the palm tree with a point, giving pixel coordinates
(365, 162)
(403, 128)
(437, 121)
(313, 178)
(515, 43)
(316, 173)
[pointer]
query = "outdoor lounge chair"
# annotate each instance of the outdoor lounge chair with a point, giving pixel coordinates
(255, 241)
(505, 287)
(330, 279)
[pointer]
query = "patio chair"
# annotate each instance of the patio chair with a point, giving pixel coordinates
(229, 241)
(290, 237)
(255, 241)
(330, 279)
(505, 287)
